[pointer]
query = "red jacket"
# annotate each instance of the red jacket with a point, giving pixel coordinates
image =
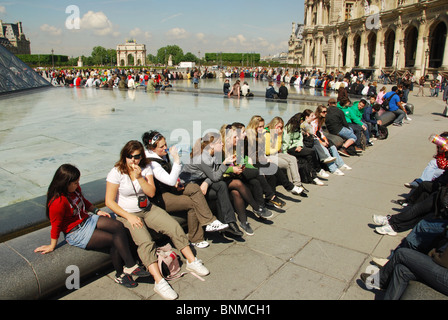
(64, 216)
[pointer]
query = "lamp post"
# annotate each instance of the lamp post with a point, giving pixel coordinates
(426, 61)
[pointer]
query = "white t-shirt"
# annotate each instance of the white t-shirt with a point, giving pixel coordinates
(126, 197)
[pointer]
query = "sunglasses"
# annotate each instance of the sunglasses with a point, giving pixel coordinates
(136, 156)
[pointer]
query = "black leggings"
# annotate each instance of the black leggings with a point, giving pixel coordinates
(110, 233)
(241, 195)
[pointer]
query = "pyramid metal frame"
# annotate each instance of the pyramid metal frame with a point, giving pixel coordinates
(15, 75)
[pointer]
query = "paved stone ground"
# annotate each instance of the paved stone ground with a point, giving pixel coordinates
(317, 248)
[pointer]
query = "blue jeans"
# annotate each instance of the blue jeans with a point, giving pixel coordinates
(406, 265)
(431, 171)
(399, 114)
(324, 153)
(347, 133)
(423, 235)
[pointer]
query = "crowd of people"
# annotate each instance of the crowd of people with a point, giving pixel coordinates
(238, 168)
(242, 166)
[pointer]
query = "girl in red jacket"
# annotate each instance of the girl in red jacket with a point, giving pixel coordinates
(67, 210)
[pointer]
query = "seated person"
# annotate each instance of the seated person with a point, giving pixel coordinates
(270, 91)
(435, 167)
(396, 106)
(369, 117)
(173, 196)
(226, 87)
(353, 115)
(337, 124)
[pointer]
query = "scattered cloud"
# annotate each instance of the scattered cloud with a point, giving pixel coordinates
(2, 9)
(201, 37)
(177, 33)
(137, 32)
(98, 23)
(171, 17)
(51, 30)
(239, 39)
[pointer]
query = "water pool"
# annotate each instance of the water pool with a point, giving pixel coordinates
(42, 129)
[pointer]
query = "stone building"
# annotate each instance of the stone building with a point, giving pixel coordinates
(295, 44)
(379, 35)
(131, 51)
(13, 38)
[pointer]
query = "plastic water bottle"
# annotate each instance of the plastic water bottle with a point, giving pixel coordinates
(438, 140)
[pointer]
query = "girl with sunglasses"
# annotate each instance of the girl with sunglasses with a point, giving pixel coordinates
(128, 184)
(68, 212)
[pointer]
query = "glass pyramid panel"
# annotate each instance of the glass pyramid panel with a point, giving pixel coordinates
(16, 75)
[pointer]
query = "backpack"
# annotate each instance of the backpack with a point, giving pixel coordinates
(385, 104)
(168, 262)
(383, 132)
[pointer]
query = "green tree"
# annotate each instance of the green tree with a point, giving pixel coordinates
(151, 58)
(175, 51)
(103, 56)
(190, 57)
(99, 55)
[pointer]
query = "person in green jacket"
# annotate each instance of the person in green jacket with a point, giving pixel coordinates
(353, 115)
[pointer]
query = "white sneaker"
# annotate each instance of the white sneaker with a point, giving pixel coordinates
(318, 182)
(164, 289)
(386, 229)
(329, 159)
(338, 172)
(216, 226)
(296, 190)
(409, 119)
(322, 174)
(345, 167)
(380, 220)
(201, 244)
(197, 267)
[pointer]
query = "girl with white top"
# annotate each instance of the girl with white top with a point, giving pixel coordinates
(128, 184)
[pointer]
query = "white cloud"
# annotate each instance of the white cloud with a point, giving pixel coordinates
(239, 39)
(51, 30)
(177, 33)
(135, 32)
(2, 9)
(201, 37)
(98, 23)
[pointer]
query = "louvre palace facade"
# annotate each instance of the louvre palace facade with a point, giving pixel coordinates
(378, 35)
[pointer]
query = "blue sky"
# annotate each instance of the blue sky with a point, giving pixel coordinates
(199, 25)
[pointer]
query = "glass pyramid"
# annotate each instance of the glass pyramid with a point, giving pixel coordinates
(16, 75)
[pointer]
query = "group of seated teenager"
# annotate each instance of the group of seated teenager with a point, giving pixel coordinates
(233, 168)
(421, 255)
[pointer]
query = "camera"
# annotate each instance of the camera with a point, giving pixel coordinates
(142, 202)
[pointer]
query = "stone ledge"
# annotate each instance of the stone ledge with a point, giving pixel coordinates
(419, 291)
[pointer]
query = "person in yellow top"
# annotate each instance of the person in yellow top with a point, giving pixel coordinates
(273, 140)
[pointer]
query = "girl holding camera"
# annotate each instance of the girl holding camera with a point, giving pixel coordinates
(128, 184)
